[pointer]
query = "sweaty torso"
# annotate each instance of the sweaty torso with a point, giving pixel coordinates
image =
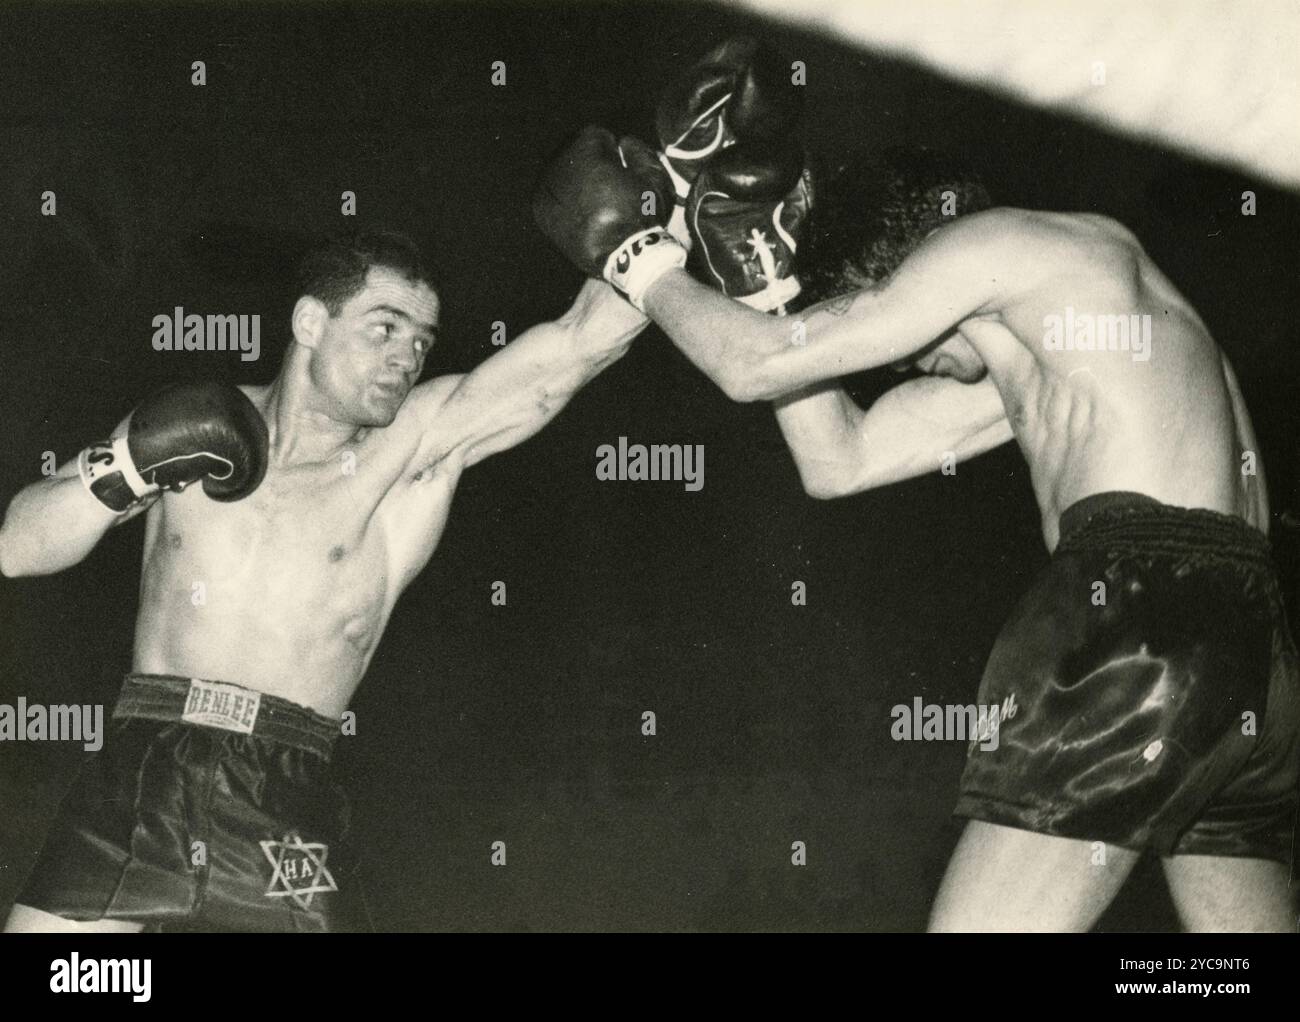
(288, 590)
(1159, 415)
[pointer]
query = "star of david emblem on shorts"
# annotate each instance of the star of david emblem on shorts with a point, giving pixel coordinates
(298, 870)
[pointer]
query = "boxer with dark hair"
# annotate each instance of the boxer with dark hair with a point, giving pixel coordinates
(1162, 716)
(265, 590)
(877, 209)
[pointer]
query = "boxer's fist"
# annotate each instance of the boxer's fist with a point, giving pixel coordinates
(603, 203)
(736, 92)
(747, 213)
(184, 433)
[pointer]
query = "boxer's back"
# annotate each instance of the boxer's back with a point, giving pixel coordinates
(1110, 379)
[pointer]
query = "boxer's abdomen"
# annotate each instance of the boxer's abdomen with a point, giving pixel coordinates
(291, 603)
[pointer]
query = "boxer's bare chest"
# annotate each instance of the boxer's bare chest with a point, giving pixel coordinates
(330, 536)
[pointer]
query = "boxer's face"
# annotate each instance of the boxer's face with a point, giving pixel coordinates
(953, 357)
(370, 355)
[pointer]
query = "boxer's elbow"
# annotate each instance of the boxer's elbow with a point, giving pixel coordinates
(15, 564)
(738, 386)
(28, 546)
(828, 471)
(823, 488)
(11, 563)
(747, 381)
(827, 482)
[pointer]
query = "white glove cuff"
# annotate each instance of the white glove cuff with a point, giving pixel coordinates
(641, 260)
(107, 472)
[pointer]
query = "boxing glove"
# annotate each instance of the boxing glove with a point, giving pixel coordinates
(183, 433)
(746, 212)
(603, 203)
(738, 91)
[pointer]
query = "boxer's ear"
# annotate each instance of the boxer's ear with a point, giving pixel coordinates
(309, 317)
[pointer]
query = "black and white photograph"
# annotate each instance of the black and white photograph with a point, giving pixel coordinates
(738, 467)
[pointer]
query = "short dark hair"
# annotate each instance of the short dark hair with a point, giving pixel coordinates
(875, 212)
(336, 270)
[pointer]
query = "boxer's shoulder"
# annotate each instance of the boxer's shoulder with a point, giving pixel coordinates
(1036, 252)
(1060, 237)
(1003, 225)
(427, 401)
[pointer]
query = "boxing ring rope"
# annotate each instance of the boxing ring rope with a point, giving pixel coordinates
(1216, 79)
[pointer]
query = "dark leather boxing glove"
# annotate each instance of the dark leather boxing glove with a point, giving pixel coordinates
(603, 203)
(184, 433)
(738, 91)
(747, 212)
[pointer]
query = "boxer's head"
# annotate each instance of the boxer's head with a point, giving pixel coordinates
(871, 216)
(367, 315)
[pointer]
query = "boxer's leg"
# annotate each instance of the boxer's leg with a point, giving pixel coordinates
(25, 919)
(1230, 871)
(1218, 894)
(1006, 879)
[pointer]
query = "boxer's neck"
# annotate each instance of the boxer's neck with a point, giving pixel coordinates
(301, 432)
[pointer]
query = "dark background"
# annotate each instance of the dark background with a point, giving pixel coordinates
(481, 723)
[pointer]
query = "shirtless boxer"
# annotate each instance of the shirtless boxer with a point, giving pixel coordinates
(1162, 717)
(260, 609)
(300, 577)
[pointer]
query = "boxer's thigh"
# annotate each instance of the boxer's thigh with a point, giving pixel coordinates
(1218, 894)
(1003, 879)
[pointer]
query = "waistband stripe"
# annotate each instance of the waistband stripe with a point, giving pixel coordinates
(1145, 527)
(222, 706)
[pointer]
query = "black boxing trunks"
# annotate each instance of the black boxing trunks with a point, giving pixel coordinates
(1148, 689)
(209, 807)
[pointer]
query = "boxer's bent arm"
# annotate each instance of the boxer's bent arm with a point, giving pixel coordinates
(962, 270)
(911, 430)
(53, 524)
(820, 424)
(514, 393)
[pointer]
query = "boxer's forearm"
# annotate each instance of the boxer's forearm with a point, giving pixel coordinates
(517, 391)
(727, 341)
(601, 322)
(755, 357)
(556, 360)
(821, 426)
(53, 524)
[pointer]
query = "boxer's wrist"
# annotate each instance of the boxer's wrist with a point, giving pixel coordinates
(641, 260)
(109, 475)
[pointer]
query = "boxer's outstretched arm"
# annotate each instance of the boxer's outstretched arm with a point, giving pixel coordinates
(54, 523)
(958, 272)
(514, 393)
(909, 431)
